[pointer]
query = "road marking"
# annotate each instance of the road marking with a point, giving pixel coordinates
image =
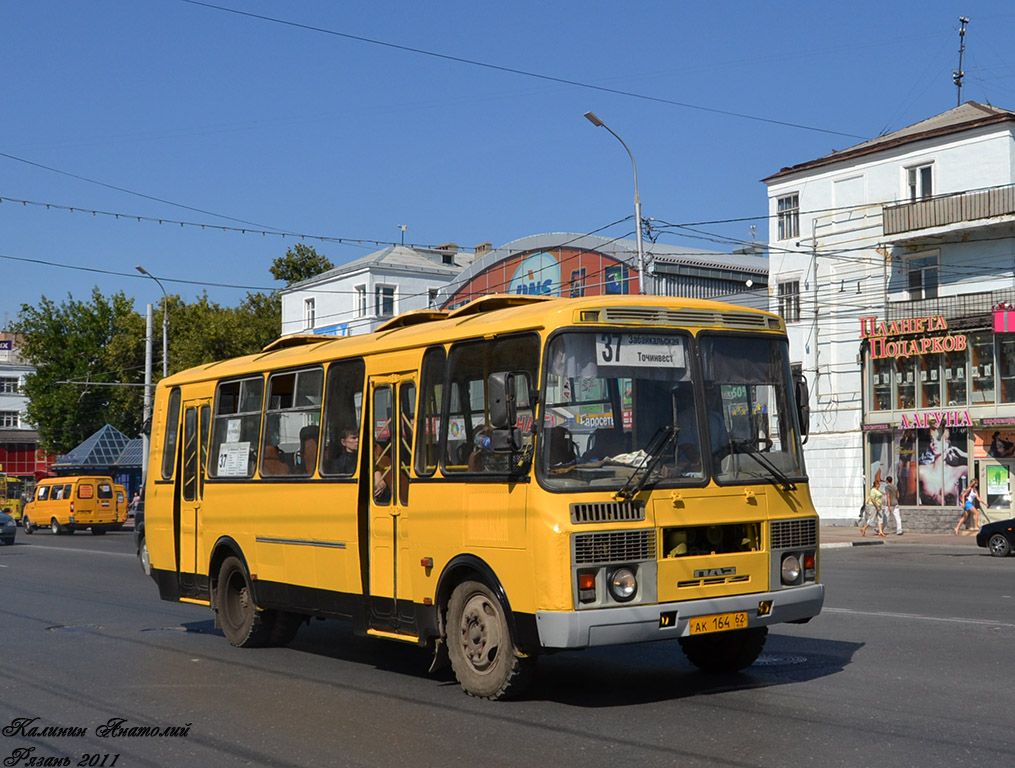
(945, 619)
(85, 551)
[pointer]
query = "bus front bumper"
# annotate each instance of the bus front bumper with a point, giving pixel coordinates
(664, 621)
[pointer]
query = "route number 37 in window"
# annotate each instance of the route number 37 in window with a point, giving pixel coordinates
(639, 350)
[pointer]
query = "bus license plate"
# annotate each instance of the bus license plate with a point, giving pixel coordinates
(720, 622)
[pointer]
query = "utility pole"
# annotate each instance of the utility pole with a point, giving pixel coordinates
(147, 413)
(958, 74)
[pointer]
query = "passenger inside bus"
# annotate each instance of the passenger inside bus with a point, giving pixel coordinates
(273, 464)
(348, 453)
(307, 460)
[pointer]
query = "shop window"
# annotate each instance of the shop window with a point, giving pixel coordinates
(981, 368)
(907, 472)
(944, 465)
(930, 381)
(956, 364)
(882, 383)
(905, 383)
(1006, 367)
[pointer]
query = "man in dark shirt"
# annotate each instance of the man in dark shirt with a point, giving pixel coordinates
(891, 506)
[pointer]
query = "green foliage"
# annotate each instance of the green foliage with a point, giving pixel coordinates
(300, 262)
(85, 342)
(102, 341)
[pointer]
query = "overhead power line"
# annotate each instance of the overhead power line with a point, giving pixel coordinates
(522, 72)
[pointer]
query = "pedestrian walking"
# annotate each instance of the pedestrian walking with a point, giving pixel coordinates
(872, 513)
(970, 501)
(891, 506)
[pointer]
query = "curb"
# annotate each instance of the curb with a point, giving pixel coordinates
(845, 544)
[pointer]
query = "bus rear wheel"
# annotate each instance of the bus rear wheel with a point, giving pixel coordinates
(483, 654)
(55, 527)
(725, 652)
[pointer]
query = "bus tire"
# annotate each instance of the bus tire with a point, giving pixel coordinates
(142, 555)
(283, 627)
(27, 525)
(96, 531)
(725, 652)
(242, 622)
(55, 527)
(483, 654)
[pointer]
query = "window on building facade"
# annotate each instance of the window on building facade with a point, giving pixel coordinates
(905, 383)
(360, 298)
(789, 300)
(882, 400)
(1006, 367)
(384, 300)
(431, 294)
(930, 381)
(956, 365)
(9, 385)
(981, 367)
(309, 313)
(788, 208)
(919, 182)
(9, 419)
(923, 276)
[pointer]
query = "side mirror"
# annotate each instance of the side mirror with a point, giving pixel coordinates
(803, 403)
(503, 413)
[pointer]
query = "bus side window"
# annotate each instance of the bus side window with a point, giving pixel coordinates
(343, 404)
(428, 433)
(172, 434)
(291, 423)
(236, 426)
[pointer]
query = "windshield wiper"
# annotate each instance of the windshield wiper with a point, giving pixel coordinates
(653, 455)
(742, 446)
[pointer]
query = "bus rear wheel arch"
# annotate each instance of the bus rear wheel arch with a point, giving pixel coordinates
(483, 654)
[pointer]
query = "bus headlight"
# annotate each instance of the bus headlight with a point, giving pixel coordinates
(790, 569)
(623, 584)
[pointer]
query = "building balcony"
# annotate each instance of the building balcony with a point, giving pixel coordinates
(963, 312)
(961, 208)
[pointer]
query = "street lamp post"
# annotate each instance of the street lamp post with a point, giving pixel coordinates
(592, 118)
(165, 320)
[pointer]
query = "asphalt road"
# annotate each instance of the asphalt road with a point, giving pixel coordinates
(910, 664)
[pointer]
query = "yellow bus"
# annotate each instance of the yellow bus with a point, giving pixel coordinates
(12, 491)
(517, 476)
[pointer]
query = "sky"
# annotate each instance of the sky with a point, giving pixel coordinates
(189, 137)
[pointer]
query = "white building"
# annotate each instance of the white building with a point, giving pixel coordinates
(359, 296)
(19, 440)
(917, 230)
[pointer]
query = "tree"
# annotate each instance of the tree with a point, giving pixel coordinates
(87, 343)
(300, 262)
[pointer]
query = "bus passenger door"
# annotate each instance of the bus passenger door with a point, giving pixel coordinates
(392, 410)
(196, 424)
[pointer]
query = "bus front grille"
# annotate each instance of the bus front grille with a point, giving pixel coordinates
(607, 512)
(614, 547)
(794, 534)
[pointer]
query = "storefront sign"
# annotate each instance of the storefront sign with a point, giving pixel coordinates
(937, 419)
(883, 343)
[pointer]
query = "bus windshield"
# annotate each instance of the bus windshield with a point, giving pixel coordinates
(626, 409)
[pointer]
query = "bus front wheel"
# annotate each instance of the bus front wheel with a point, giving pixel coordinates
(482, 653)
(243, 623)
(725, 652)
(27, 525)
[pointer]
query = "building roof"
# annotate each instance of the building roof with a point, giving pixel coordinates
(399, 257)
(108, 447)
(964, 117)
(622, 250)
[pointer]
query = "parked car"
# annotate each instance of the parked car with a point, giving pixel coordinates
(998, 537)
(8, 527)
(139, 540)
